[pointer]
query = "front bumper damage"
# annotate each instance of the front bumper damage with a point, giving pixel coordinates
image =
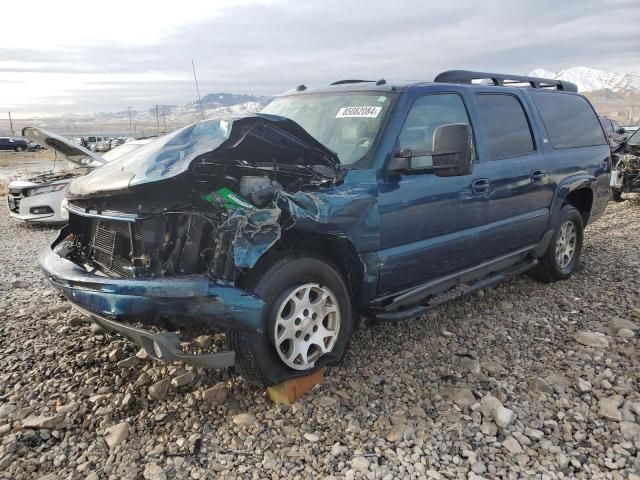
(115, 303)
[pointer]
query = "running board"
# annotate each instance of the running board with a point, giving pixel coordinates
(458, 291)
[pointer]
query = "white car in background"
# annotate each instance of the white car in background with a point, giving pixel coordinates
(40, 199)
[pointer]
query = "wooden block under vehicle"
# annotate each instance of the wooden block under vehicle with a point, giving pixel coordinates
(292, 390)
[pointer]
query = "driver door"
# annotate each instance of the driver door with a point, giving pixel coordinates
(430, 225)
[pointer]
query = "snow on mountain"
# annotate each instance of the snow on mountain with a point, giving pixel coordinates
(590, 79)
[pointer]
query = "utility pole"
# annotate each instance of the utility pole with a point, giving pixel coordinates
(129, 108)
(11, 125)
(164, 119)
(157, 118)
(197, 88)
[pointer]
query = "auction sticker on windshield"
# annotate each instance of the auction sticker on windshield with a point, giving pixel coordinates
(358, 112)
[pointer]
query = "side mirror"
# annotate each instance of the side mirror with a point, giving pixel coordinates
(451, 154)
(622, 130)
(452, 151)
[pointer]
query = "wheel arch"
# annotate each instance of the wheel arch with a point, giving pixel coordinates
(578, 191)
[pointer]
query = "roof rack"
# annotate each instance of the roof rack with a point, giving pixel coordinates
(504, 80)
(382, 81)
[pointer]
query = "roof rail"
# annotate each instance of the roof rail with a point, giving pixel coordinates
(503, 80)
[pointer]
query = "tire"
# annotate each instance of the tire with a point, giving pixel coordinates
(19, 149)
(258, 358)
(553, 266)
(616, 195)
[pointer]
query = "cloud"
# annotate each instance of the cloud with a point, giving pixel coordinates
(270, 46)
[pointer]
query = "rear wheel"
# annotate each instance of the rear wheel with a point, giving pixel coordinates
(19, 149)
(561, 258)
(307, 321)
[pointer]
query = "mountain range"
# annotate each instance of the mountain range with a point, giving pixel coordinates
(590, 79)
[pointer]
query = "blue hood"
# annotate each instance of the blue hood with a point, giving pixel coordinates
(258, 139)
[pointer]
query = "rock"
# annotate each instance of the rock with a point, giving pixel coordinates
(129, 362)
(312, 437)
(216, 395)
(492, 408)
(399, 432)
(540, 385)
(325, 401)
(160, 390)
(116, 434)
(68, 408)
(463, 397)
(245, 419)
(608, 408)
(142, 354)
(41, 421)
(6, 460)
(625, 333)
(512, 445)
(153, 471)
(533, 433)
(183, 380)
(6, 410)
(417, 411)
(591, 339)
(630, 430)
(503, 416)
(116, 355)
(360, 464)
(621, 323)
(489, 428)
(97, 329)
(558, 382)
(582, 385)
(470, 365)
(203, 341)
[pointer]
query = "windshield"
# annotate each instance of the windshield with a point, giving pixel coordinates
(347, 123)
(634, 139)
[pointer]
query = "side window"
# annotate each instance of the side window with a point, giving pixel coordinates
(569, 120)
(505, 124)
(427, 114)
(608, 127)
(616, 126)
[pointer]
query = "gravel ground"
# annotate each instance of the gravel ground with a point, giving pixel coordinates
(523, 379)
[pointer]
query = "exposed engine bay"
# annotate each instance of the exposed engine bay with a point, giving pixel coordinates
(216, 218)
(625, 175)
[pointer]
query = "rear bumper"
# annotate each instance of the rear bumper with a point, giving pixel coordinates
(195, 302)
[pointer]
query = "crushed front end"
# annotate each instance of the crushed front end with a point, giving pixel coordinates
(159, 261)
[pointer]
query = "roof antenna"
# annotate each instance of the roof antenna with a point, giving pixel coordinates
(197, 88)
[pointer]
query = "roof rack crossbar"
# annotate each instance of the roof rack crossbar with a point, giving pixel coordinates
(343, 82)
(503, 79)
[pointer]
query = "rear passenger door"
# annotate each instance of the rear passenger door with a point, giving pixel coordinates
(513, 172)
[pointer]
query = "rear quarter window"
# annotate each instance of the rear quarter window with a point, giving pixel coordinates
(569, 120)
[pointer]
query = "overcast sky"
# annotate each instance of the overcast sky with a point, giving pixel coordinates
(104, 56)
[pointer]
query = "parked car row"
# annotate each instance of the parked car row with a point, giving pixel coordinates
(40, 199)
(369, 199)
(18, 144)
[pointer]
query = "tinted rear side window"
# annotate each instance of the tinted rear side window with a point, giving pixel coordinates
(569, 120)
(505, 124)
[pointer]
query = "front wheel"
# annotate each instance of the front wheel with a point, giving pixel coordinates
(306, 324)
(561, 258)
(616, 195)
(19, 149)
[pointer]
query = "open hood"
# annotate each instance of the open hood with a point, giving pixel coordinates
(257, 140)
(71, 150)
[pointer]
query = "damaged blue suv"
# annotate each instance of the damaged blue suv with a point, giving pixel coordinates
(280, 229)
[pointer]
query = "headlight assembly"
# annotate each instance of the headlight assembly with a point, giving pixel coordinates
(46, 189)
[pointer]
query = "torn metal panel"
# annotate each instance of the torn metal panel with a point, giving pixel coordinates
(255, 233)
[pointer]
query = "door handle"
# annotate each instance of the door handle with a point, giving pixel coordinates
(480, 186)
(537, 175)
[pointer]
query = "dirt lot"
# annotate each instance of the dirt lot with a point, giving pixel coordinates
(522, 380)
